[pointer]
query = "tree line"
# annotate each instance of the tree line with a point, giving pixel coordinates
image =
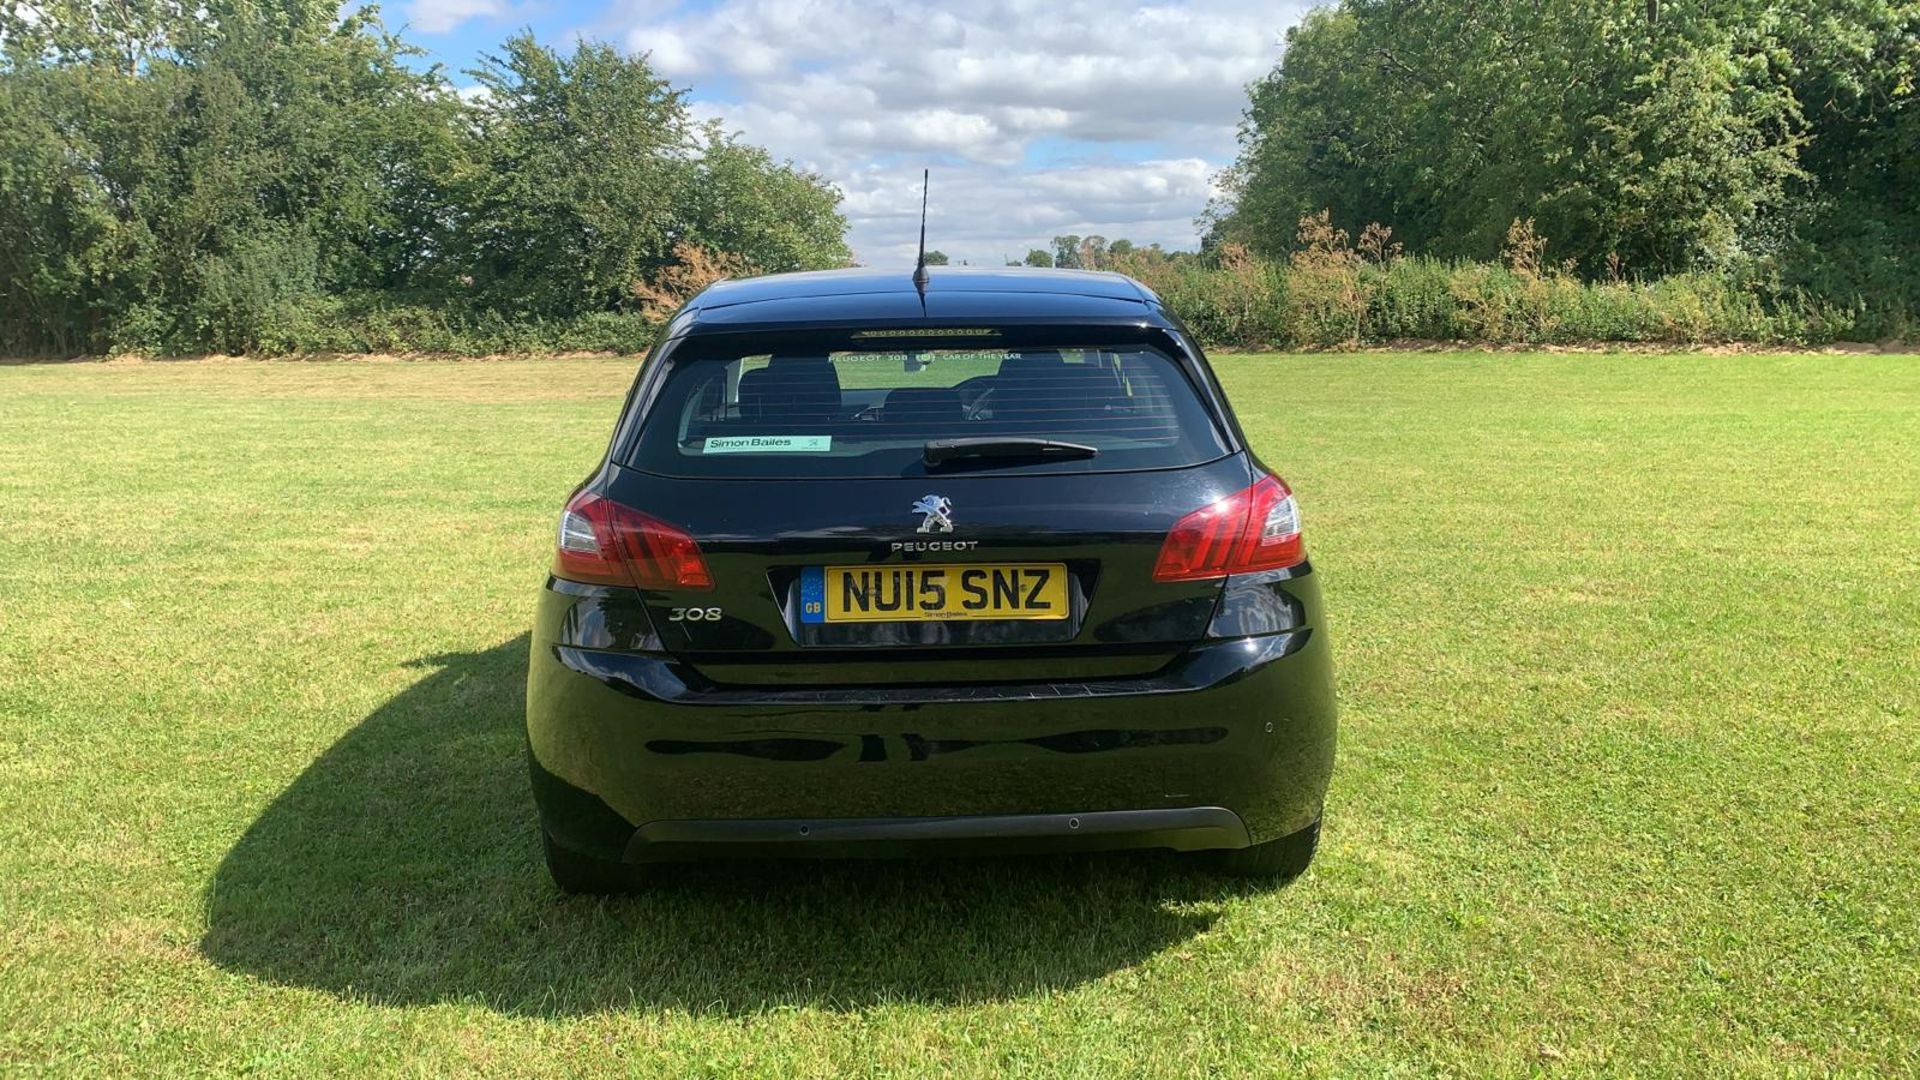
(274, 176)
(247, 176)
(1772, 143)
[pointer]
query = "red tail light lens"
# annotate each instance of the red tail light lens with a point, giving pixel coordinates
(1254, 529)
(605, 543)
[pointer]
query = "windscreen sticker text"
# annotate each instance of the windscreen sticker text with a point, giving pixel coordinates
(768, 444)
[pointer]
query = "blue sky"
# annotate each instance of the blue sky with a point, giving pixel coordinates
(1038, 117)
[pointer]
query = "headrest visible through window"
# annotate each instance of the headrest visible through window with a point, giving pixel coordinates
(800, 389)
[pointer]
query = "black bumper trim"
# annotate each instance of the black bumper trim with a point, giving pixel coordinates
(1193, 828)
(664, 679)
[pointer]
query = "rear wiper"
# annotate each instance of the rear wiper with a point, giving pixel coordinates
(942, 451)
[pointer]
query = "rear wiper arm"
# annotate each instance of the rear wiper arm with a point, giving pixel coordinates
(942, 451)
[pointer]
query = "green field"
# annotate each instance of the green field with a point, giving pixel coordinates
(1628, 652)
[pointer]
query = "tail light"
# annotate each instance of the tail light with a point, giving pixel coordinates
(605, 543)
(1254, 529)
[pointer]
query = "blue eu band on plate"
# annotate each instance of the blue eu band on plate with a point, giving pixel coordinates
(930, 593)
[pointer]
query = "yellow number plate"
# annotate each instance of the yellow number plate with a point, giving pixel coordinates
(931, 593)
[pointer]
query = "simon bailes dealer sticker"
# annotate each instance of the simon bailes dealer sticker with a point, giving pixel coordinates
(768, 444)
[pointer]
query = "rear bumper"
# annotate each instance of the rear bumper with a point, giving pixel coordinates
(636, 757)
(1183, 829)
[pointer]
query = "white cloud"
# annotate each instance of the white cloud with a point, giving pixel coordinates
(672, 55)
(440, 16)
(1039, 117)
(983, 213)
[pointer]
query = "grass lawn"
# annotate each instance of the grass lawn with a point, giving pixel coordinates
(1628, 651)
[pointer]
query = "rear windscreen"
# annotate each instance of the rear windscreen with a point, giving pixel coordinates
(869, 414)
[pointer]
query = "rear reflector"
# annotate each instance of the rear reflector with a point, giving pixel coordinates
(604, 543)
(1254, 529)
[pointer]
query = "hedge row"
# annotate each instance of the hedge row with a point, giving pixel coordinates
(1231, 301)
(1247, 303)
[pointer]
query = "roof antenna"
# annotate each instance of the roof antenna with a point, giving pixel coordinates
(920, 275)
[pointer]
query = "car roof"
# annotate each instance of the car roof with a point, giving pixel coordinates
(954, 295)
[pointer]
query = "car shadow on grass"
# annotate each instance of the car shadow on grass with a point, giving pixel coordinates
(403, 867)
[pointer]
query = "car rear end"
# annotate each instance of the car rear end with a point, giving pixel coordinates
(885, 587)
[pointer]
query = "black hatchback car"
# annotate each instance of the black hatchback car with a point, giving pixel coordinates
(872, 568)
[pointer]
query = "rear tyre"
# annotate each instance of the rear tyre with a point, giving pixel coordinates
(1277, 861)
(584, 875)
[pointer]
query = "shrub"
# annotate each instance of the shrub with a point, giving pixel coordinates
(1412, 298)
(1333, 293)
(1236, 300)
(1326, 299)
(693, 268)
(261, 296)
